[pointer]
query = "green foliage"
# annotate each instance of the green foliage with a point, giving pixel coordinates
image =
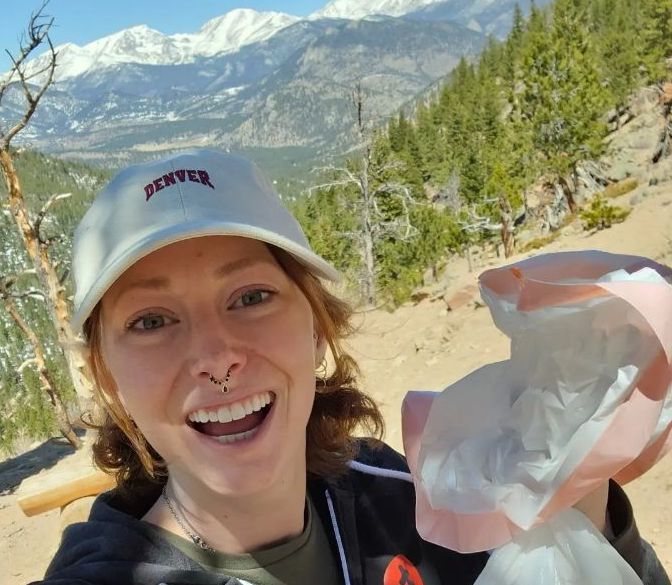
(601, 215)
(564, 98)
(656, 32)
(535, 104)
(616, 30)
(402, 262)
(328, 220)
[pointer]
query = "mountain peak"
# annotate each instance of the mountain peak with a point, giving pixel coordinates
(144, 45)
(239, 27)
(356, 9)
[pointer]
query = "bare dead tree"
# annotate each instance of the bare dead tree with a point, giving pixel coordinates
(33, 84)
(371, 184)
(473, 223)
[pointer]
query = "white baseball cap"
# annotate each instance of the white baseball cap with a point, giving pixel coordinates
(195, 193)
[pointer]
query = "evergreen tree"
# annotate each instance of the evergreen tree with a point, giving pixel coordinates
(564, 99)
(656, 36)
(616, 31)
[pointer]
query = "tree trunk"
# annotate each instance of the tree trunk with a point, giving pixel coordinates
(569, 194)
(369, 259)
(508, 229)
(663, 147)
(46, 381)
(54, 291)
(368, 235)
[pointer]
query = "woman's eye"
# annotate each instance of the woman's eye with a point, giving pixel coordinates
(252, 297)
(149, 322)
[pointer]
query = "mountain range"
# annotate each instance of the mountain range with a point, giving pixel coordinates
(253, 80)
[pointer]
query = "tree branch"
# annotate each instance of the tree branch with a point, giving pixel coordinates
(43, 212)
(25, 364)
(479, 223)
(38, 33)
(329, 185)
(31, 293)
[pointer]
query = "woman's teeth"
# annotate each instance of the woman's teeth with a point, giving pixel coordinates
(234, 411)
(237, 436)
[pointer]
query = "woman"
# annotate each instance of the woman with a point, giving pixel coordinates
(206, 324)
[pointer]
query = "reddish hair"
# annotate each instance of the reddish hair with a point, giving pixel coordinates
(339, 410)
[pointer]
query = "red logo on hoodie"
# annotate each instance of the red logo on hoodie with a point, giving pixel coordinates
(401, 571)
(173, 177)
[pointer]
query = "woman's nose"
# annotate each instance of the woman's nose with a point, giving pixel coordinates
(216, 354)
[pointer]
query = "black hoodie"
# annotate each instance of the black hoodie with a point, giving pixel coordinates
(369, 515)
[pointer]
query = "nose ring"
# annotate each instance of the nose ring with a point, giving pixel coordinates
(222, 383)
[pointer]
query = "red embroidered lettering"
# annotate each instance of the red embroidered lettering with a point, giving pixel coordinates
(171, 178)
(205, 179)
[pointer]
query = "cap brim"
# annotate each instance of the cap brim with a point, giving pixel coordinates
(185, 231)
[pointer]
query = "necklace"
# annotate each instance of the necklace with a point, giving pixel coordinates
(195, 538)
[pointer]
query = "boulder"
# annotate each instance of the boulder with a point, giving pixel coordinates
(464, 296)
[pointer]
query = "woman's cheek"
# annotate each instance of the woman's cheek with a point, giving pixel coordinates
(141, 371)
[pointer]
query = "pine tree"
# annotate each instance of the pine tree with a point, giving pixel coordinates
(616, 33)
(656, 36)
(564, 99)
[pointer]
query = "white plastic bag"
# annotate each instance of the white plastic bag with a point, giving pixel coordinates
(499, 457)
(566, 550)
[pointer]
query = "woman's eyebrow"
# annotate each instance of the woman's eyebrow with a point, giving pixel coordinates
(240, 264)
(157, 283)
(162, 283)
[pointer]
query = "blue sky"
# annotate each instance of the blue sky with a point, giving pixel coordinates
(83, 21)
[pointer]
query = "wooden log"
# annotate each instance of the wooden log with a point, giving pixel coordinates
(58, 487)
(77, 511)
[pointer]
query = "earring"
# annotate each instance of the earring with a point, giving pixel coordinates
(321, 370)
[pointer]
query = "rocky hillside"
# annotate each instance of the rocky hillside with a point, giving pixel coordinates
(252, 80)
(289, 90)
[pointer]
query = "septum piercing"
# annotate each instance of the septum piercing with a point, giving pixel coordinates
(223, 383)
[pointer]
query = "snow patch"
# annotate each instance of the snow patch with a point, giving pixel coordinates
(147, 46)
(357, 9)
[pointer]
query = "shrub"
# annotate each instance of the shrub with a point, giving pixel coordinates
(602, 215)
(540, 242)
(621, 188)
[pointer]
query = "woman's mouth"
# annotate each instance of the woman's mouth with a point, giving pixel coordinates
(233, 422)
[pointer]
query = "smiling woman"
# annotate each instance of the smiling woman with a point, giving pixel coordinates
(207, 322)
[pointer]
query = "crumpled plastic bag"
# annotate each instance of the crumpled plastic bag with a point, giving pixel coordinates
(561, 550)
(584, 397)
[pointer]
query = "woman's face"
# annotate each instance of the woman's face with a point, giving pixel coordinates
(200, 308)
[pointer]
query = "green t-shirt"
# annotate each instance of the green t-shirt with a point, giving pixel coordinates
(308, 558)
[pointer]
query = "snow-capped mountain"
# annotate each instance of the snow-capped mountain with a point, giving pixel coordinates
(147, 46)
(355, 9)
(251, 80)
